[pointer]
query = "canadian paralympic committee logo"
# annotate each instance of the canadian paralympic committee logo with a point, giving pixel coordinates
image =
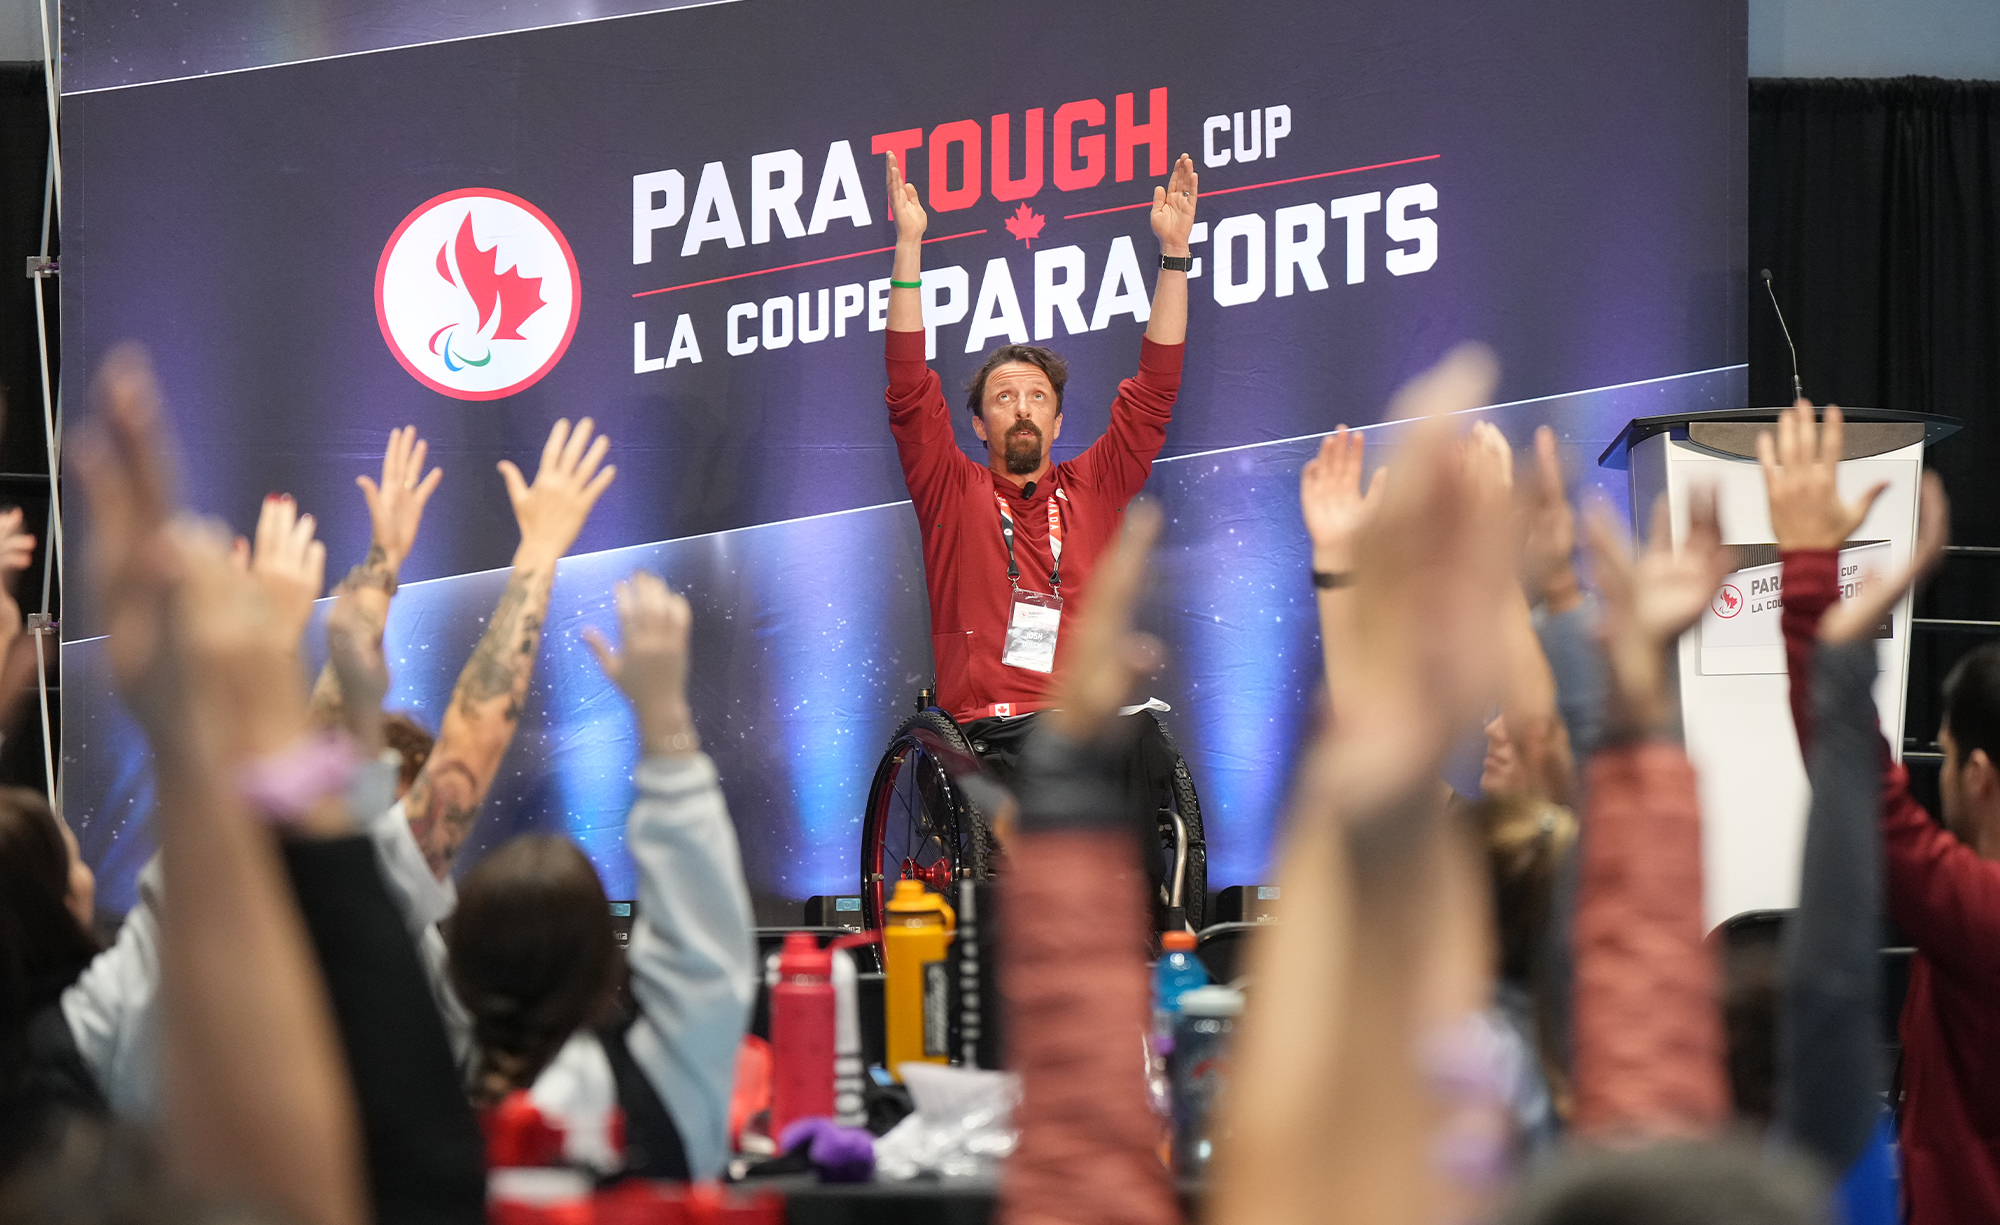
(477, 294)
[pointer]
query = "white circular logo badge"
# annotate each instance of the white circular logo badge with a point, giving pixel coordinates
(477, 294)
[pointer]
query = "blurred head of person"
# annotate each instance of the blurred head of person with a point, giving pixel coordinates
(533, 957)
(47, 894)
(1969, 782)
(409, 738)
(1525, 840)
(1677, 1183)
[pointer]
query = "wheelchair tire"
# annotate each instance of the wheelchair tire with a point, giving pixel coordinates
(1194, 890)
(918, 823)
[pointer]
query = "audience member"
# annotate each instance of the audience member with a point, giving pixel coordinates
(257, 1106)
(323, 1009)
(1943, 882)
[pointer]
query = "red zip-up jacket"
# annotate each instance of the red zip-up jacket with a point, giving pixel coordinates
(1946, 899)
(965, 559)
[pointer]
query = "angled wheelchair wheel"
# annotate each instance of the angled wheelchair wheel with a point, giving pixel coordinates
(919, 826)
(1183, 850)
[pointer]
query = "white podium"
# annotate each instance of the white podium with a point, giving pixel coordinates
(1735, 710)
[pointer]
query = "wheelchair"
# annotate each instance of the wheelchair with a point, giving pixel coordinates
(922, 824)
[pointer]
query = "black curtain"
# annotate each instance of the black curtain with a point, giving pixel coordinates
(24, 150)
(1876, 206)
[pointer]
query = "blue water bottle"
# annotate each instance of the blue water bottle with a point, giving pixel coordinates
(1177, 972)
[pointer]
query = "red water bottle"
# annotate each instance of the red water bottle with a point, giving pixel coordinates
(801, 1033)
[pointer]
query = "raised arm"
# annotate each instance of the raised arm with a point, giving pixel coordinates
(1336, 511)
(906, 297)
(693, 954)
(1173, 221)
(395, 511)
(1811, 522)
(1648, 1036)
(486, 704)
(1072, 971)
(1528, 685)
(258, 1109)
(1329, 1117)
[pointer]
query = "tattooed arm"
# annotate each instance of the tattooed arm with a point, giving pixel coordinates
(395, 509)
(486, 706)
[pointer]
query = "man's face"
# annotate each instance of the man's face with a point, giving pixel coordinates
(1018, 419)
(1952, 785)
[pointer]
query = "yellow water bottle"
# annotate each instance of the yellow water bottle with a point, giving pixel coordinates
(915, 933)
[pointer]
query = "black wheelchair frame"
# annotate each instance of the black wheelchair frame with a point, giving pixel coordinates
(922, 825)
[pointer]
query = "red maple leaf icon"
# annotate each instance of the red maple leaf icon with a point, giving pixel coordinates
(514, 296)
(1026, 225)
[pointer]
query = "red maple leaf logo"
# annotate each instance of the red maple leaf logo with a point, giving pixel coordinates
(1026, 225)
(514, 296)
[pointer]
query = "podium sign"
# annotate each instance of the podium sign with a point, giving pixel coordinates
(1735, 696)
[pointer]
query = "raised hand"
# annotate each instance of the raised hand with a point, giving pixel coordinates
(1807, 511)
(1548, 549)
(552, 511)
(1651, 600)
(904, 205)
(652, 669)
(1173, 207)
(1331, 499)
(244, 692)
(1858, 615)
(396, 505)
(17, 552)
(354, 654)
(1430, 571)
(121, 458)
(288, 564)
(1106, 655)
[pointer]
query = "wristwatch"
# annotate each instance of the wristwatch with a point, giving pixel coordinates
(1177, 263)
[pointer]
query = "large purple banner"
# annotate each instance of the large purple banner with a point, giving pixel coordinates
(673, 222)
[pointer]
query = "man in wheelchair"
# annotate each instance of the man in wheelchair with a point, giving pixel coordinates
(1009, 544)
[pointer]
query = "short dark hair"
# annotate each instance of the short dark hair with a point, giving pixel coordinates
(1050, 362)
(1972, 702)
(532, 956)
(1672, 1183)
(42, 945)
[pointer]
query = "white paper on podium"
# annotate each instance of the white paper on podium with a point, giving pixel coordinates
(1741, 633)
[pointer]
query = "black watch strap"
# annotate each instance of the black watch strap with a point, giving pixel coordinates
(1177, 263)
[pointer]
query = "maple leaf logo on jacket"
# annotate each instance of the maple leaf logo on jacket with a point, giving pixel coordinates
(477, 294)
(1026, 225)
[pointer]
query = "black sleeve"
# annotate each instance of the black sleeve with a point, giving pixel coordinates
(425, 1155)
(1829, 1039)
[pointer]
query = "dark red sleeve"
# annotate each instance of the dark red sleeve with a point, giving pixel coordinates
(1647, 1042)
(1119, 462)
(1077, 994)
(1942, 894)
(920, 420)
(1811, 585)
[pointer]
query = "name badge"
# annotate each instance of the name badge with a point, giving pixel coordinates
(1031, 633)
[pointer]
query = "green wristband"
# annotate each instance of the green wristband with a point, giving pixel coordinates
(896, 284)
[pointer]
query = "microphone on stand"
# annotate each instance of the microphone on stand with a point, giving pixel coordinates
(1798, 389)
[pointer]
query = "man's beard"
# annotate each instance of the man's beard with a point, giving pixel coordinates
(1024, 449)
